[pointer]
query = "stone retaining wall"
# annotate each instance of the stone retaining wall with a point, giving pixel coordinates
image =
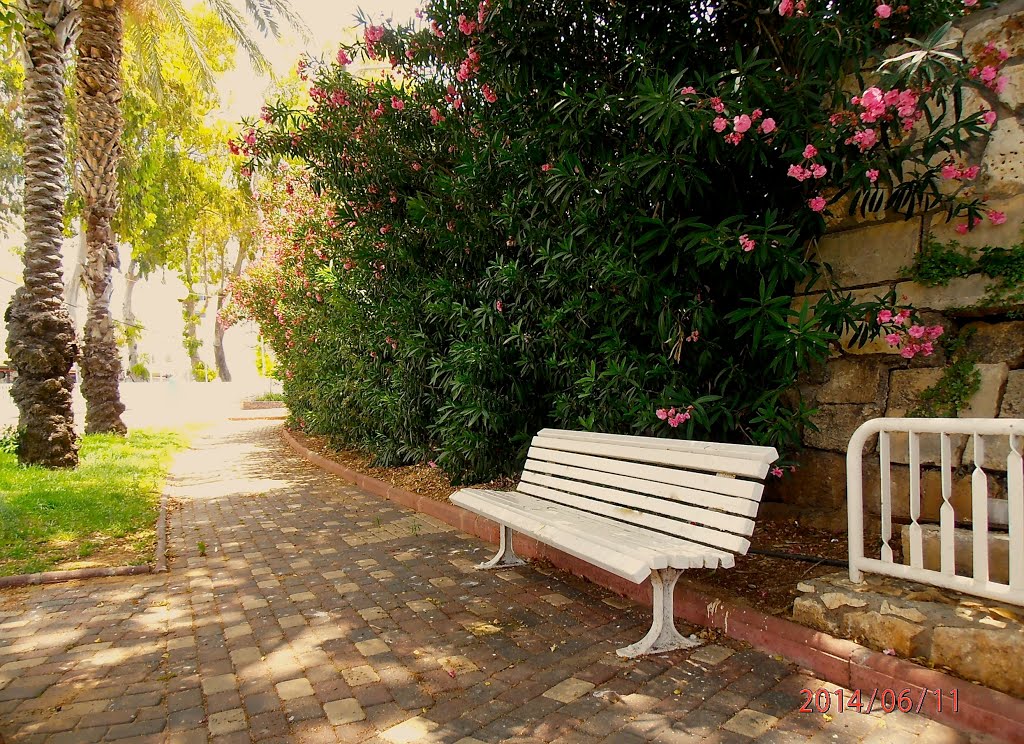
(869, 257)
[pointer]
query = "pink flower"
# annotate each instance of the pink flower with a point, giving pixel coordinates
(776, 471)
(733, 138)
(747, 244)
(720, 123)
(971, 173)
(767, 126)
(909, 351)
(432, 464)
(970, 3)
(884, 316)
(756, 114)
(989, 117)
(872, 175)
(343, 58)
(546, 167)
(1000, 84)
(818, 170)
(373, 34)
(810, 151)
(435, 116)
(916, 331)
(950, 171)
(902, 317)
(661, 413)
(883, 11)
(894, 339)
(417, 167)
(988, 73)
(962, 228)
(397, 103)
(865, 139)
(798, 172)
(436, 30)
(786, 8)
(717, 106)
(996, 218)
(489, 95)
(499, 306)
(687, 90)
(466, 25)
(741, 123)
(817, 204)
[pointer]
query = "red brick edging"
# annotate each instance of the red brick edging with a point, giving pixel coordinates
(836, 660)
(159, 565)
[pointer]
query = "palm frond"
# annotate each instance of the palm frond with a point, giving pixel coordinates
(285, 10)
(144, 42)
(262, 14)
(197, 60)
(235, 23)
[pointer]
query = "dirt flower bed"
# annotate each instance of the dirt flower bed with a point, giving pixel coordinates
(763, 582)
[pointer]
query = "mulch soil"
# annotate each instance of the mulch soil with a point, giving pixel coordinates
(762, 582)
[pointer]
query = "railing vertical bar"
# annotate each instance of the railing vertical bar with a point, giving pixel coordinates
(885, 481)
(947, 519)
(916, 540)
(1015, 494)
(979, 517)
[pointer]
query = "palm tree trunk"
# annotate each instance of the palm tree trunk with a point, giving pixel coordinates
(132, 332)
(41, 336)
(99, 151)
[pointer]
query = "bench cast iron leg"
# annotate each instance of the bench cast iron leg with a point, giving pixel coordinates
(663, 635)
(506, 556)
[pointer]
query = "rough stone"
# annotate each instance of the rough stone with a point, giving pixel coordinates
(963, 293)
(1004, 157)
(905, 388)
(882, 631)
(1013, 397)
(907, 613)
(870, 255)
(996, 343)
(986, 404)
(863, 380)
(1003, 31)
(1013, 95)
(818, 483)
(810, 612)
(836, 424)
(990, 656)
(986, 233)
(835, 600)
(931, 492)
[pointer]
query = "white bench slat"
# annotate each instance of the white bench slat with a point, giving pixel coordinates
(660, 455)
(743, 451)
(671, 526)
(728, 494)
(619, 535)
(684, 503)
(541, 473)
(608, 540)
(631, 567)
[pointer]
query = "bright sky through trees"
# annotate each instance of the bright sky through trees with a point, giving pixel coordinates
(329, 20)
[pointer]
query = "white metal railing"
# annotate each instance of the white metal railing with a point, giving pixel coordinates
(979, 583)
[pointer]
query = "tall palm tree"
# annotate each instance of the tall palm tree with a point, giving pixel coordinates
(100, 48)
(41, 336)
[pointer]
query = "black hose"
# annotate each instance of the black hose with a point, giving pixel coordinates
(800, 557)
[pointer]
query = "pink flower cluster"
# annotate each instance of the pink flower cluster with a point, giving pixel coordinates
(994, 216)
(672, 416)
(988, 74)
(747, 244)
(951, 171)
(909, 337)
(812, 170)
(741, 124)
(470, 66)
(787, 8)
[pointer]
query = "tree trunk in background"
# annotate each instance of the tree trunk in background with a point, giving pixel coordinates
(131, 278)
(99, 151)
(73, 286)
(41, 336)
(219, 357)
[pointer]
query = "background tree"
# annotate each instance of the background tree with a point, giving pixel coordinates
(41, 337)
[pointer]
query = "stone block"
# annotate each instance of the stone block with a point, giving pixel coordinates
(861, 380)
(819, 482)
(991, 657)
(997, 343)
(1013, 94)
(965, 293)
(810, 612)
(905, 388)
(1004, 31)
(986, 233)
(836, 424)
(986, 404)
(1004, 171)
(870, 255)
(1013, 396)
(931, 492)
(882, 631)
(963, 551)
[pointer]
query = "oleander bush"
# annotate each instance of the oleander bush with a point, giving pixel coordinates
(593, 214)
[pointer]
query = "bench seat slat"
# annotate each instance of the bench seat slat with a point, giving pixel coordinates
(690, 532)
(728, 494)
(743, 451)
(619, 548)
(654, 454)
(641, 494)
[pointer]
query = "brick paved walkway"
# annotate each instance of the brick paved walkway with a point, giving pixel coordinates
(320, 613)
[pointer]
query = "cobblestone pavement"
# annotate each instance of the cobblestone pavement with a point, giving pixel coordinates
(300, 609)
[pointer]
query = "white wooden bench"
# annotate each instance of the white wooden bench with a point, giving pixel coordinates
(634, 506)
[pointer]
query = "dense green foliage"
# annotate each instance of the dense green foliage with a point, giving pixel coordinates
(594, 218)
(939, 263)
(109, 503)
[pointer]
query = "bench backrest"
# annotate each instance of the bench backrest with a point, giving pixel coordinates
(694, 490)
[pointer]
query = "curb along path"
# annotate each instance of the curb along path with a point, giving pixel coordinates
(301, 608)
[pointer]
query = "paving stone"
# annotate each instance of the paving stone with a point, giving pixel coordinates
(711, 655)
(227, 721)
(750, 723)
(219, 683)
(413, 731)
(360, 675)
(569, 690)
(344, 711)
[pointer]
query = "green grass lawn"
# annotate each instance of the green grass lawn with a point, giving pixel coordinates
(103, 513)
